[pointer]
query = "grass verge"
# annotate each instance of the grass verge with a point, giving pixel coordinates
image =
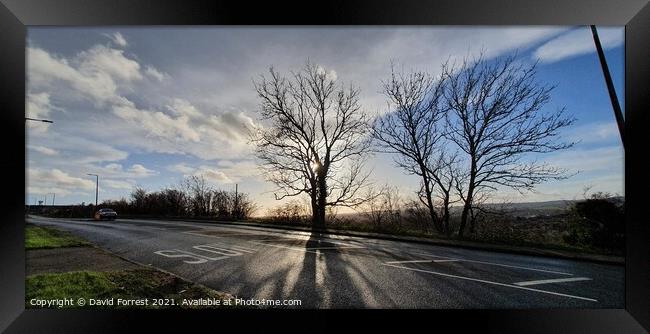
(37, 237)
(136, 284)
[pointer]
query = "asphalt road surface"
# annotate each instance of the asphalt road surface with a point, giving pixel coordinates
(329, 271)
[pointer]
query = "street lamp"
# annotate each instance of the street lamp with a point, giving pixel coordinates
(618, 114)
(96, 187)
(38, 120)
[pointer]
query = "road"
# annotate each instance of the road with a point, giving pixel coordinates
(329, 271)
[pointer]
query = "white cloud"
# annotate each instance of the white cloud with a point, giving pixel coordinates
(154, 73)
(115, 170)
(116, 184)
(43, 150)
(73, 150)
(608, 158)
(578, 42)
(96, 74)
(329, 75)
(101, 75)
(56, 181)
(114, 167)
(101, 60)
(158, 124)
(181, 168)
(81, 150)
(213, 175)
(240, 170)
(141, 171)
(118, 39)
(38, 105)
(594, 132)
(181, 107)
(186, 130)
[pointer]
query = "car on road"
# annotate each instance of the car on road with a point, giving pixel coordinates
(102, 214)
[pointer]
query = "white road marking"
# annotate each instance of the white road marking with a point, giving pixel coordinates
(292, 248)
(558, 280)
(324, 240)
(422, 261)
(493, 283)
(414, 261)
(200, 234)
(343, 247)
(226, 252)
(496, 264)
(244, 249)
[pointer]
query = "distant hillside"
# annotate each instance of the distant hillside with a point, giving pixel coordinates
(523, 209)
(548, 208)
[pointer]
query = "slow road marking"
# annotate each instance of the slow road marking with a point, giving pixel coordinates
(223, 252)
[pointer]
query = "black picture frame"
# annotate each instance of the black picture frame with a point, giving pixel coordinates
(16, 15)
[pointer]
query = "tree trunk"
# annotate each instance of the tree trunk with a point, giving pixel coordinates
(472, 221)
(319, 218)
(445, 214)
(466, 208)
(314, 207)
(463, 217)
(469, 199)
(427, 193)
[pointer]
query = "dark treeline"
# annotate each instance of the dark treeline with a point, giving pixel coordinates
(193, 197)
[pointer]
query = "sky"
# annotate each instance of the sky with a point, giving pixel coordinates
(147, 106)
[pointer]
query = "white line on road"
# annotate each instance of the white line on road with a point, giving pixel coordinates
(292, 248)
(343, 247)
(558, 280)
(200, 234)
(413, 261)
(496, 264)
(422, 261)
(493, 283)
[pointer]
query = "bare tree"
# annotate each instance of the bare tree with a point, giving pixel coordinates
(138, 198)
(445, 174)
(291, 212)
(316, 140)
(384, 210)
(199, 194)
(496, 119)
(412, 131)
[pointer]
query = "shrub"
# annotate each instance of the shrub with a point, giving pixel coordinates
(598, 221)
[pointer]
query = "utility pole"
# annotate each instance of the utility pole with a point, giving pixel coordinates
(53, 197)
(620, 121)
(96, 188)
(236, 201)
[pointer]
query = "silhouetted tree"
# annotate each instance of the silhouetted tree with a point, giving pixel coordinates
(316, 140)
(413, 131)
(496, 119)
(199, 193)
(138, 199)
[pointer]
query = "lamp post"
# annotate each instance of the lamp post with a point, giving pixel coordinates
(620, 121)
(38, 120)
(96, 187)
